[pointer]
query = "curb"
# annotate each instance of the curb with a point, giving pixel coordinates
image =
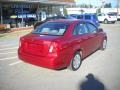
(17, 29)
(22, 28)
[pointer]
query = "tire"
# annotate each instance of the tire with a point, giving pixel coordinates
(105, 21)
(75, 62)
(104, 44)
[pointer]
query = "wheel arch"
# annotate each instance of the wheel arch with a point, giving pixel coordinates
(74, 52)
(70, 66)
(106, 20)
(80, 51)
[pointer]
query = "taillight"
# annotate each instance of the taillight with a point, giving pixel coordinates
(19, 43)
(54, 47)
(51, 48)
(109, 16)
(22, 42)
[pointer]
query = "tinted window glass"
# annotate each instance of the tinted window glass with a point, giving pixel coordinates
(80, 17)
(73, 15)
(103, 14)
(95, 17)
(92, 28)
(87, 17)
(80, 29)
(51, 28)
(99, 15)
(112, 14)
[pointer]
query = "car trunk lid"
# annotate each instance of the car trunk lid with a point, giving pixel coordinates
(38, 44)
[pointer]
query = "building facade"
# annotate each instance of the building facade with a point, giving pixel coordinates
(20, 13)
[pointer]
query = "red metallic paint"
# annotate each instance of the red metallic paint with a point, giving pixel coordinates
(34, 48)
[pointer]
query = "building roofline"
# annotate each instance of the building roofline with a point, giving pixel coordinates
(38, 1)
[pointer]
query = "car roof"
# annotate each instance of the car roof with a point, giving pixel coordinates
(84, 14)
(54, 17)
(64, 20)
(70, 20)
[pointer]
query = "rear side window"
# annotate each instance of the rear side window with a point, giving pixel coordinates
(92, 28)
(87, 17)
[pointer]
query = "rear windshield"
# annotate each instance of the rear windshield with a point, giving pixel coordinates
(51, 28)
(112, 14)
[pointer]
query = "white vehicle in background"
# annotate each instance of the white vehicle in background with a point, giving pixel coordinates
(107, 18)
(118, 17)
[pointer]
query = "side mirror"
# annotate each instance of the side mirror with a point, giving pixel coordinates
(100, 30)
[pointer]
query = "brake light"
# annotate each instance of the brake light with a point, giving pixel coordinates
(54, 47)
(19, 43)
(51, 48)
(21, 39)
(22, 42)
(109, 16)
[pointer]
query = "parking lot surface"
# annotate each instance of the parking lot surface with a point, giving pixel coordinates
(99, 70)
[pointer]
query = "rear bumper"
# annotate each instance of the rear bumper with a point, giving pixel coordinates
(47, 62)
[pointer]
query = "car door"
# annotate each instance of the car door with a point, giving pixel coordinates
(82, 39)
(94, 36)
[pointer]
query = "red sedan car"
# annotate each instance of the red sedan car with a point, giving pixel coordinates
(61, 43)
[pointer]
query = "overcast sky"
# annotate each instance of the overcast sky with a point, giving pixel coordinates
(97, 2)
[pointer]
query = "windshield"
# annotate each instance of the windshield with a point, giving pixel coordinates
(112, 14)
(51, 28)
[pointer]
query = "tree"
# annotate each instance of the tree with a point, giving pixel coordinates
(65, 11)
(108, 5)
(98, 10)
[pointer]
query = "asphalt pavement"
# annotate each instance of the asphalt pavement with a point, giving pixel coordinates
(99, 71)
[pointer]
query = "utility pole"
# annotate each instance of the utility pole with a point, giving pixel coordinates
(1, 14)
(38, 12)
(22, 15)
(89, 3)
(118, 6)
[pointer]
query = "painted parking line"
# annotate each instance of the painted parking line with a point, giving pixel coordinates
(7, 53)
(8, 48)
(8, 58)
(4, 45)
(15, 63)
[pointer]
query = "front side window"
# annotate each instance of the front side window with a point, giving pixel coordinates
(80, 29)
(92, 28)
(80, 17)
(103, 14)
(99, 14)
(88, 17)
(51, 28)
